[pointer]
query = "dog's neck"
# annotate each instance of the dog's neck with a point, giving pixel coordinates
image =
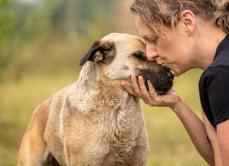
(93, 80)
(94, 93)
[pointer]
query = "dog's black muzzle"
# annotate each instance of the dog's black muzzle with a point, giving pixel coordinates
(162, 80)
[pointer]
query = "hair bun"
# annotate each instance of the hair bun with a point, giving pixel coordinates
(222, 19)
(224, 6)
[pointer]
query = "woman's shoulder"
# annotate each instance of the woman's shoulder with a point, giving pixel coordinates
(215, 72)
(222, 54)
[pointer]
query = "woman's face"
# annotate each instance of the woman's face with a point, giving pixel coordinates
(170, 49)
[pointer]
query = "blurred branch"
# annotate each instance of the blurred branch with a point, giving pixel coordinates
(6, 19)
(68, 21)
(6, 23)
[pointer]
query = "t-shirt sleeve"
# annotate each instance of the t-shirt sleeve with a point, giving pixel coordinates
(218, 94)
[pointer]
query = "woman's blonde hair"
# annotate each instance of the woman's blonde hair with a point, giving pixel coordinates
(158, 13)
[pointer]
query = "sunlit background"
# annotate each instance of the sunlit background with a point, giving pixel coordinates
(41, 42)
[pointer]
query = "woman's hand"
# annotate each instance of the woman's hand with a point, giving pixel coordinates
(137, 87)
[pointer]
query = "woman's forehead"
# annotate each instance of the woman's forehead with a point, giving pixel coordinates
(149, 29)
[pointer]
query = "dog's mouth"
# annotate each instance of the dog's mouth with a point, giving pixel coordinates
(162, 80)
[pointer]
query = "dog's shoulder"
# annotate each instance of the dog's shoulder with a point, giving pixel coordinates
(54, 102)
(58, 99)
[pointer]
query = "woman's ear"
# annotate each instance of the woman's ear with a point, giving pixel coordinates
(189, 21)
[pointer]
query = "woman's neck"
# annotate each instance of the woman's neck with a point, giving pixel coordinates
(209, 39)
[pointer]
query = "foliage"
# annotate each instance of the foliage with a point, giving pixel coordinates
(6, 21)
(44, 26)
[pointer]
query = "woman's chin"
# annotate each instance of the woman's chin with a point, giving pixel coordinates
(175, 72)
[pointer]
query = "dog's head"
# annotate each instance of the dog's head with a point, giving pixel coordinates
(117, 56)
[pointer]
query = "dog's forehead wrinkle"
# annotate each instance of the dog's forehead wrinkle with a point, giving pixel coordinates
(124, 38)
(126, 46)
(118, 36)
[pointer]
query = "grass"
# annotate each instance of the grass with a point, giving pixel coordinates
(170, 144)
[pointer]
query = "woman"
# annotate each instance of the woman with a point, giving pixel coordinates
(182, 35)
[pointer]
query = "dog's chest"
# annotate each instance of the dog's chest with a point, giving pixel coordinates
(122, 140)
(118, 130)
(109, 127)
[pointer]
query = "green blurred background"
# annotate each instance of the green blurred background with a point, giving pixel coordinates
(41, 42)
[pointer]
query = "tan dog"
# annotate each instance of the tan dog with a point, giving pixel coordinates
(94, 122)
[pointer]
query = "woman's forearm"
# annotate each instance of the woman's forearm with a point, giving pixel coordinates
(196, 130)
(212, 135)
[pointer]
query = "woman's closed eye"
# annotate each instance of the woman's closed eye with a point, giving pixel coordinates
(154, 40)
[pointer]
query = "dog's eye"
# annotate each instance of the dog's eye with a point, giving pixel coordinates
(139, 55)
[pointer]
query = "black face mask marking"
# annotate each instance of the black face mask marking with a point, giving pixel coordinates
(162, 80)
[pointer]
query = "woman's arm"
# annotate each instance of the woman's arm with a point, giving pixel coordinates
(191, 122)
(223, 139)
(196, 130)
(211, 132)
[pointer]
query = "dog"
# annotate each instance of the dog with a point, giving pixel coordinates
(94, 122)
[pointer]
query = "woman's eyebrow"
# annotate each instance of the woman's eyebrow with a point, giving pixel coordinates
(148, 38)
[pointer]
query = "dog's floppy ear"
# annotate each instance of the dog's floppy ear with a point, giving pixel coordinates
(99, 52)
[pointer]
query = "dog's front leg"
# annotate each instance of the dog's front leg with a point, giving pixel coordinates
(33, 151)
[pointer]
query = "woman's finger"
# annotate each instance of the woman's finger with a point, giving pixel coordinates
(135, 85)
(153, 94)
(144, 93)
(126, 86)
(152, 90)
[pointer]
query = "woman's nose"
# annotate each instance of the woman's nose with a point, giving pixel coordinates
(151, 52)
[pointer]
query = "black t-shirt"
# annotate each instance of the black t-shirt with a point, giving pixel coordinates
(214, 86)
